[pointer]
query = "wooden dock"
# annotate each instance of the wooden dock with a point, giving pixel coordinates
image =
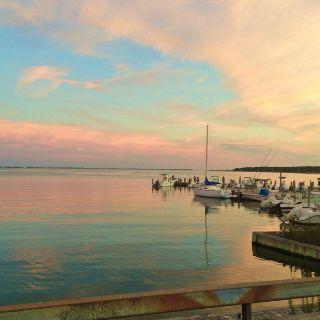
(263, 315)
(277, 241)
(260, 315)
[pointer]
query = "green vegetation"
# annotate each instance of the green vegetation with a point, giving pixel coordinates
(300, 169)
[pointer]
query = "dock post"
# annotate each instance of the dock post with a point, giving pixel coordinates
(309, 196)
(246, 311)
(312, 185)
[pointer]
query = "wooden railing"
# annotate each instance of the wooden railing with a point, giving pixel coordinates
(156, 302)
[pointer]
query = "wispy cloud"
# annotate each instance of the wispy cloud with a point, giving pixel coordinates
(268, 49)
(135, 78)
(50, 79)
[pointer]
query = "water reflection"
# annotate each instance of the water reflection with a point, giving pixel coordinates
(302, 233)
(206, 254)
(165, 193)
(299, 267)
(252, 205)
(211, 204)
(89, 233)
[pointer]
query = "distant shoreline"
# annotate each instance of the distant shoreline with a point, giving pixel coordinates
(102, 168)
(294, 169)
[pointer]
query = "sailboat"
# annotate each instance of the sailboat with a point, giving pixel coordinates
(211, 189)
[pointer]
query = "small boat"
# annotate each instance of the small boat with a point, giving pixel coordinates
(164, 181)
(287, 206)
(293, 208)
(256, 189)
(195, 185)
(302, 215)
(212, 192)
(279, 203)
(211, 188)
(263, 194)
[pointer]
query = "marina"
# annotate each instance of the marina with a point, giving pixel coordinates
(159, 160)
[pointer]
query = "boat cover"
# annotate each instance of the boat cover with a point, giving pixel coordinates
(210, 183)
(264, 192)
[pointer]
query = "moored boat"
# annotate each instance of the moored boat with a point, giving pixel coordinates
(302, 215)
(164, 181)
(212, 192)
(280, 203)
(211, 189)
(262, 195)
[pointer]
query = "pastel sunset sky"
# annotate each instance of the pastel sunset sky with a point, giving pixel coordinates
(133, 83)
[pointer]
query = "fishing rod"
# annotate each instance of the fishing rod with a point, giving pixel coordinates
(269, 161)
(262, 163)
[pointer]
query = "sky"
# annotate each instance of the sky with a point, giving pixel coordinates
(123, 83)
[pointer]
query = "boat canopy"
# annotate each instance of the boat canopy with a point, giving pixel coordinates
(210, 183)
(264, 192)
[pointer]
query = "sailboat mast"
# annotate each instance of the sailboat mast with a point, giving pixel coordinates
(207, 151)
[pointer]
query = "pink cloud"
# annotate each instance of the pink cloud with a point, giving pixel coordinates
(31, 141)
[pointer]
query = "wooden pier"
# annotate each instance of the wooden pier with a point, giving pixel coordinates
(277, 241)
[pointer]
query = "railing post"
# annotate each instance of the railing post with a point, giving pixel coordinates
(246, 311)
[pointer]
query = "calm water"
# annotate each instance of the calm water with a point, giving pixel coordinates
(76, 233)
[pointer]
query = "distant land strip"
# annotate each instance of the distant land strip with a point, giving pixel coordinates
(108, 168)
(298, 169)
(93, 168)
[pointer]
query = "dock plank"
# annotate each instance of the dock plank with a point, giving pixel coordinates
(280, 314)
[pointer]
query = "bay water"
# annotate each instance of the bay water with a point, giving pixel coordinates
(68, 233)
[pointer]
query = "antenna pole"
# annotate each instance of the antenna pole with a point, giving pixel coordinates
(207, 151)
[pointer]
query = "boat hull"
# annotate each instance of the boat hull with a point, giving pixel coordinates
(312, 219)
(253, 197)
(211, 193)
(167, 184)
(302, 215)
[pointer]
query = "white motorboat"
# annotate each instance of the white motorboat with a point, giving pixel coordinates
(196, 185)
(302, 215)
(309, 217)
(287, 206)
(296, 208)
(260, 196)
(212, 192)
(271, 202)
(283, 204)
(164, 181)
(211, 189)
(252, 196)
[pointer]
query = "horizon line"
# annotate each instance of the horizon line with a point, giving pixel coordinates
(105, 168)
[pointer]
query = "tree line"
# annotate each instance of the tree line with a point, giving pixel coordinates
(298, 169)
